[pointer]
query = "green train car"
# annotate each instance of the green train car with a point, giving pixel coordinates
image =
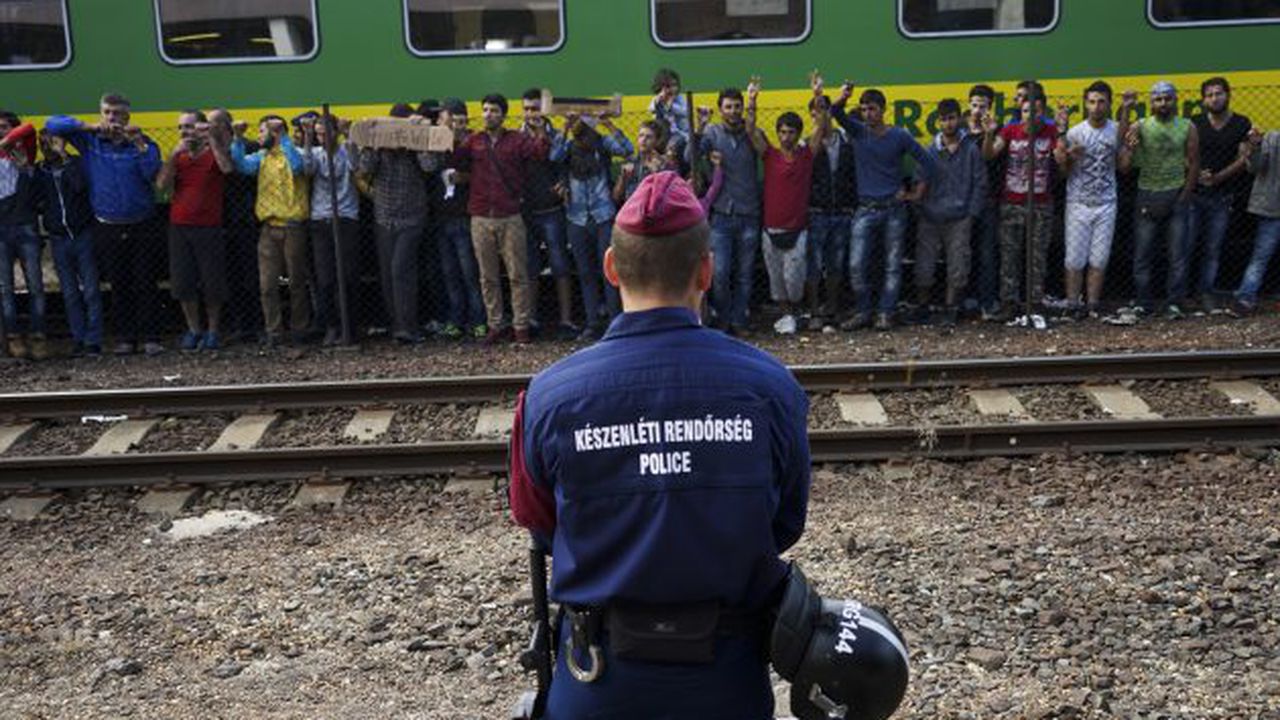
(286, 55)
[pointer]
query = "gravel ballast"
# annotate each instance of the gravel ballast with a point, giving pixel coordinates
(242, 363)
(1126, 587)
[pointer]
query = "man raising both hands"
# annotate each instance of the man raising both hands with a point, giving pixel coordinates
(788, 171)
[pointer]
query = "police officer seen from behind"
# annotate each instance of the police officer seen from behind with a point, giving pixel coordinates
(667, 467)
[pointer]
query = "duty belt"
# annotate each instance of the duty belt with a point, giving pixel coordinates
(586, 624)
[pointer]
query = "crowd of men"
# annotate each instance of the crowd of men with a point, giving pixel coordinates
(825, 212)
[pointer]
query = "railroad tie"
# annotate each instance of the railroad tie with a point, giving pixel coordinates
(494, 422)
(1243, 392)
(320, 492)
(1120, 402)
(369, 425)
(166, 502)
(861, 409)
(999, 402)
(25, 508)
(11, 435)
(121, 436)
(245, 432)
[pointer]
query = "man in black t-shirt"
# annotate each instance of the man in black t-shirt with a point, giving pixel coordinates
(1221, 180)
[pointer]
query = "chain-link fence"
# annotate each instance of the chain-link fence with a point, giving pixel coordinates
(1113, 256)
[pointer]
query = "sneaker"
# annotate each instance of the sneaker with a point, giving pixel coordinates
(1173, 312)
(589, 333)
(567, 331)
(1240, 308)
(210, 341)
(815, 323)
(332, 337)
(190, 341)
(786, 325)
(857, 322)
(739, 331)
(39, 347)
(18, 347)
(450, 331)
(151, 348)
(124, 348)
(1208, 302)
(93, 350)
(991, 313)
(884, 321)
(480, 331)
(522, 336)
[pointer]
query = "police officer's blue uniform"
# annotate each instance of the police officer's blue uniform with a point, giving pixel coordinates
(671, 464)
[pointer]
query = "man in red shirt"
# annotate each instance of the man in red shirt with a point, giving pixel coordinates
(1028, 171)
(197, 250)
(788, 173)
(496, 158)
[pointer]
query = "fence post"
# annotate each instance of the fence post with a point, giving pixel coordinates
(1032, 128)
(330, 147)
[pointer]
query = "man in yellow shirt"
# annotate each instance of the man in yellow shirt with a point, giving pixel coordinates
(283, 209)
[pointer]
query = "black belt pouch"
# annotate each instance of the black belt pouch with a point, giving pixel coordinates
(664, 633)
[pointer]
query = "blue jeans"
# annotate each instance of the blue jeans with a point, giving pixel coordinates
(1263, 247)
(21, 242)
(828, 246)
(986, 252)
(871, 224)
(461, 273)
(547, 228)
(1146, 228)
(1207, 225)
(588, 243)
(78, 276)
(735, 240)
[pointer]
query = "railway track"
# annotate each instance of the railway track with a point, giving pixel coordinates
(1124, 432)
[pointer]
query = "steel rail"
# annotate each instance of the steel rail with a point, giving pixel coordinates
(489, 456)
(986, 372)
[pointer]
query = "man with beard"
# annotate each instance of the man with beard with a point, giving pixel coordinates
(1219, 183)
(735, 214)
(495, 158)
(1166, 149)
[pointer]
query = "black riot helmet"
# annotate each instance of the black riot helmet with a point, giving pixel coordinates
(845, 661)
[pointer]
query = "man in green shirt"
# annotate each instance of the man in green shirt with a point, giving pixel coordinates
(1166, 150)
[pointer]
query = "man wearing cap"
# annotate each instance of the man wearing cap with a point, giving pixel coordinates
(666, 467)
(1166, 149)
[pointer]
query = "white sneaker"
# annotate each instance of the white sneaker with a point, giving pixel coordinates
(786, 325)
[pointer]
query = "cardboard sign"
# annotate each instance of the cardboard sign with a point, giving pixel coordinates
(401, 133)
(583, 106)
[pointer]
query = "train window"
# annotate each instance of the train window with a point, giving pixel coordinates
(678, 23)
(1212, 12)
(471, 27)
(194, 32)
(948, 18)
(34, 34)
